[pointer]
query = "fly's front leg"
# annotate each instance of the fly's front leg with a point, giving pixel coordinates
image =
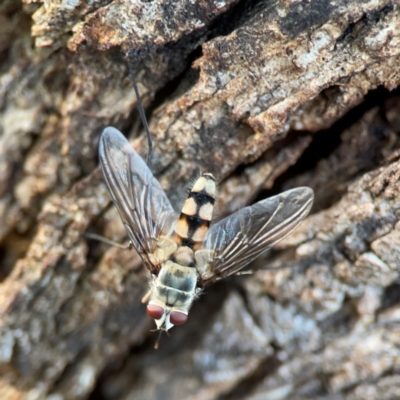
(245, 273)
(146, 297)
(102, 239)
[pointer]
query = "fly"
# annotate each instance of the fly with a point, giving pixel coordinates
(185, 251)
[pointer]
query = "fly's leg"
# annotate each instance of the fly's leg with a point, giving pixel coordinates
(245, 273)
(142, 114)
(146, 297)
(108, 241)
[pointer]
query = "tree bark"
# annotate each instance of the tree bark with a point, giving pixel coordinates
(266, 95)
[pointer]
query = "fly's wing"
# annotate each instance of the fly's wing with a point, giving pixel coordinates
(237, 240)
(141, 202)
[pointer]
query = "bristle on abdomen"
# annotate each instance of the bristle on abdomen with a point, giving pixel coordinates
(196, 214)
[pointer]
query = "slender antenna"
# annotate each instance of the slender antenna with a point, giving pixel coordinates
(158, 340)
(142, 115)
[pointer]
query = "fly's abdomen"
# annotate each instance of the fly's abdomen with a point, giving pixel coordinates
(194, 221)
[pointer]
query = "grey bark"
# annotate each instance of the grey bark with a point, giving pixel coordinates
(272, 78)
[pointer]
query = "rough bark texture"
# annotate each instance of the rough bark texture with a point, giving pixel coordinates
(282, 94)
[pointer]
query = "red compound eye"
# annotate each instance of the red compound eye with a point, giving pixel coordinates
(155, 311)
(178, 318)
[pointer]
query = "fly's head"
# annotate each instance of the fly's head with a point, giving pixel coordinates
(172, 291)
(165, 316)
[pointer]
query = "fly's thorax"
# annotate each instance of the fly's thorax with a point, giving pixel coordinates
(173, 293)
(194, 221)
(176, 282)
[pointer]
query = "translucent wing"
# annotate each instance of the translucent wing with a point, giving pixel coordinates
(237, 240)
(141, 202)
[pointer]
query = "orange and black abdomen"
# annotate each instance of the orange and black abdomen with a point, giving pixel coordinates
(196, 214)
